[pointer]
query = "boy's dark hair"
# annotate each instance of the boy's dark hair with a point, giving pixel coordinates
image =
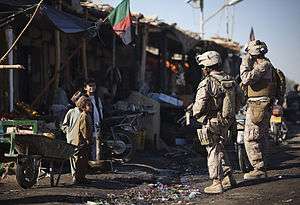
(89, 81)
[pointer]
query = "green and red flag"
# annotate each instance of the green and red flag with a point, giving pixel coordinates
(120, 19)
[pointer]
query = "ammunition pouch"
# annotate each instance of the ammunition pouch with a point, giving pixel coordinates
(258, 110)
(204, 136)
(212, 132)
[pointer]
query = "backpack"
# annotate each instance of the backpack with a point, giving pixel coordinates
(280, 85)
(233, 97)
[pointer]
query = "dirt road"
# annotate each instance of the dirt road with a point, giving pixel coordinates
(180, 179)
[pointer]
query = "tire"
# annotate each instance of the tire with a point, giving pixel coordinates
(26, 172)
(128, 139)
(276, 133)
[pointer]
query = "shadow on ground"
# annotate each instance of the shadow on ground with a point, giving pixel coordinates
(48, 199)
(269, 179)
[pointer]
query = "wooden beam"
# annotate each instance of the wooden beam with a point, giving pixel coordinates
(19, 67)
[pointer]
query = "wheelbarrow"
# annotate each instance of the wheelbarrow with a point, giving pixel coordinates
(28, 150)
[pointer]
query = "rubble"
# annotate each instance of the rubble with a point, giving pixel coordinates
(156, 193)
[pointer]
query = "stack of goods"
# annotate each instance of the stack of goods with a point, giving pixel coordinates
(23, 108)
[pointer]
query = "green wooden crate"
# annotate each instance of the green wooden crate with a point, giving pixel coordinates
(10, 139)
(15, 123)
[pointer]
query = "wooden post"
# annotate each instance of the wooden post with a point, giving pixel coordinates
(114, 52)
(144, 55)
(162, 59)
(45, 63)
(84, 56)
(9, 37)
(57, 52)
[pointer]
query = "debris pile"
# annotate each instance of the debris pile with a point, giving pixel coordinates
(155, 193)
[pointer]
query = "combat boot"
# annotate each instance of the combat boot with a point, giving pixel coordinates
(255, 174)
(228, 182)
(215, 188)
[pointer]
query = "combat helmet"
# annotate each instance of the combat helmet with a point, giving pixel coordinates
(209, 58)
(256, 47)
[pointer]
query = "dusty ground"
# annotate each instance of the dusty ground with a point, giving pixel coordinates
(177, 179)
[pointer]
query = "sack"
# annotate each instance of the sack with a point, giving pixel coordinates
(258, 110)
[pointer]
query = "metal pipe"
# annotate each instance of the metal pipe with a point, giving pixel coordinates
(202, 24)
(230, 3)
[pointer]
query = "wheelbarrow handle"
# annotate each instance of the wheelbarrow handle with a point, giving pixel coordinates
(79, 148)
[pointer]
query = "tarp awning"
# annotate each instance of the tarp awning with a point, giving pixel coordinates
(65, 22)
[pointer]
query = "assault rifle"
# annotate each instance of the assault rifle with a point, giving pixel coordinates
(188, 119)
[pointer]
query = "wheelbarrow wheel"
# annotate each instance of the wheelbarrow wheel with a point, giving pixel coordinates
(26, 172)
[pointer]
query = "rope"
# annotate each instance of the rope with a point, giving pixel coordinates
(13, 45)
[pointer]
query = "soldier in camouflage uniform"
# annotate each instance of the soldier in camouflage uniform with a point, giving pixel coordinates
(207, 109)
(258, 82)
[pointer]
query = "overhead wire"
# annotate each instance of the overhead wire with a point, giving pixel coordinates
(24, 29)
(12, 17)
(17, 13)
(220, 23)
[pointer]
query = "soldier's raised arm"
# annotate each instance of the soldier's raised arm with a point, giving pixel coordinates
(249, 74)
(252, 72)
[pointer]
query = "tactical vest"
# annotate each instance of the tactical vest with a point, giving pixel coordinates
(264, 87)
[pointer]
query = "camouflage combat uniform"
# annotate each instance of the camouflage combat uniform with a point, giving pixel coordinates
(257, 77)
(214, 129)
